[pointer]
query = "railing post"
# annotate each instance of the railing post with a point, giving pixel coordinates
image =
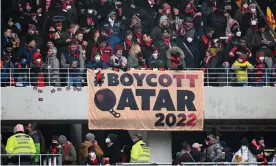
(55, 160)
(68, 77)
(19, 159)
(49, 81)
(39, 159)
(50, 161)
(10, 76)
(29, 69)
(207, 77)
(227, 74)
(266, 77)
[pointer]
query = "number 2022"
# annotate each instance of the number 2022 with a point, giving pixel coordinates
(171, 119)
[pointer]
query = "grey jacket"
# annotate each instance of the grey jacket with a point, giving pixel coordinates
(53, 70)
(214, 152)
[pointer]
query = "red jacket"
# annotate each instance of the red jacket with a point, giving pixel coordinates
(106, 52)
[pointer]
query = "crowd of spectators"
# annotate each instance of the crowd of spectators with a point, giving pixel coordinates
(62, 151)
(54, 41)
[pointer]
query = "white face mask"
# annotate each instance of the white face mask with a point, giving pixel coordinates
(261, 58)
(38, 60)
(253, 22)
(238, 33)
(97, 58)
(189, 39)
(253, 10)
(90, 11)
(245, 5)
(107, 140)
(155, 55)
(68, 7)
(92, 155)
(240, 60)
(244, 148)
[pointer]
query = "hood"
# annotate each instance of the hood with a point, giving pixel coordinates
(175, 49)
(111, 13)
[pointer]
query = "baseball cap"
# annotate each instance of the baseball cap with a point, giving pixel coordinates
(196, 145)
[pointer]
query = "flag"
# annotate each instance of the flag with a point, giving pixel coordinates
(270, 18)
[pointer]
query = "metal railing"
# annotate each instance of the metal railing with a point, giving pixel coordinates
(202, 163)
(77, 77)
(44, 159)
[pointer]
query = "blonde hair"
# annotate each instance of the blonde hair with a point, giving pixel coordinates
(134, 50)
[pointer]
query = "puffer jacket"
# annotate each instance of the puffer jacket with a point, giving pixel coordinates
(117, 27)
(214, 151)
(172, 61)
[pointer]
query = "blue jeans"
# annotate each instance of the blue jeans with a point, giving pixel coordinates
(77, 81)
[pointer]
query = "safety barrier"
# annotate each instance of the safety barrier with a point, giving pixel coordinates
(44, 159)
(202, 163)
(68, 76)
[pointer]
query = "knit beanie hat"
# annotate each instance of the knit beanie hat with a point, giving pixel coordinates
(29, 38)
(162, 19)
(119, 47)
(90, 137)
(113, 137)
(62, 139)
(166, 6)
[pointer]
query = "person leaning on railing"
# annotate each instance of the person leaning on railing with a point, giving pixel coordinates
(22, 144)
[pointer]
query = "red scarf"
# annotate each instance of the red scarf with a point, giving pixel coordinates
(128, 44)
(139, 36)
(66, 148)
(175, 61)
(167, 42)
(148, 43)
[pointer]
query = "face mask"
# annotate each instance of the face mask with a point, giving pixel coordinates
(261, 58)
(245, 5)
(155, 55)
(92, 155)
(240, 60)
(90, 11)
(97, 58)
(107, 140)
(38, 60)
(23, 61)
(243, 148)
(254, 22)
(238, 33)
(253, 10)
(68, 7)
(189, 39)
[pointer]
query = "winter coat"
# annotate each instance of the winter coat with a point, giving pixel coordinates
(103, 10)
(39, 143)
(183, 156)
(218, 22)
(214, 152)
(114, 153)
(59, 154)
(163, 48)
(53, 71)
(132, 61)
(24, 52)
(172, 62)
(67, 59)
(155, 63)
(197, 156)
(156, 32)
(84, 150)
(70, 155)
(192, 61)
(118, 61)
(116, 29)
(244, 155)
(106, 52)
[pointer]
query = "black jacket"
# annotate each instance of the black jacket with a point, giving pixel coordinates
(114, 153)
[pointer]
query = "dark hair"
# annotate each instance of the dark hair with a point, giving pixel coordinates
(79, 32)
(34, 125)
(186, 146)
(147, 34)
(139, 136)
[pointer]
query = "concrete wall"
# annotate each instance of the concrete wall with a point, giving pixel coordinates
(220, 103)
